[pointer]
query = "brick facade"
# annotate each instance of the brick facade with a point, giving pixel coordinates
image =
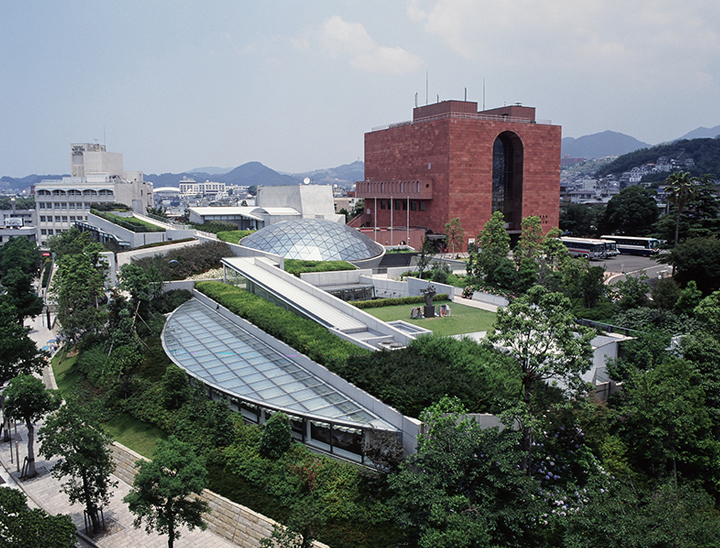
(443, 160)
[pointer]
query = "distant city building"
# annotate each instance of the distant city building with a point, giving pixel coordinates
(275, 204)
(97, 177)
(452, 161)
(189, 187)
(17, 223)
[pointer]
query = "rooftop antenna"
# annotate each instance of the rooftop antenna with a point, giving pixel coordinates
(415, 99)
(466, 95)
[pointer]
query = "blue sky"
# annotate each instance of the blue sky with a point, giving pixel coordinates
(179, 84)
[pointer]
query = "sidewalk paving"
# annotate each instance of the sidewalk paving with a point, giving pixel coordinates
(44, 491)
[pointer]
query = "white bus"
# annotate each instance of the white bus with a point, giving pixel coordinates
(585, 247)
(635, 245)
(611, 249)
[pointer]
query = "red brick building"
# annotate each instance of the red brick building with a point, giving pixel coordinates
(453, 161)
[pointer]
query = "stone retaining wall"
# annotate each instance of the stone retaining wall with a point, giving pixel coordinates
(231, 521)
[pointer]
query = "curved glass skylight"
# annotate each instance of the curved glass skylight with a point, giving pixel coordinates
(220, 353)
(313, 240)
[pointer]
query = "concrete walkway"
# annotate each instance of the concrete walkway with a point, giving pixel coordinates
(45, 492)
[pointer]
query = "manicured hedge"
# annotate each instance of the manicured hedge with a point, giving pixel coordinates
(306, 336)
(298, 266)
(215, 226)
(379, 303)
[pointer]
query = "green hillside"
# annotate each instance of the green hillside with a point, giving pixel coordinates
(705, 153)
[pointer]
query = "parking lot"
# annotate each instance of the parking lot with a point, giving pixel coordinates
(634, 265)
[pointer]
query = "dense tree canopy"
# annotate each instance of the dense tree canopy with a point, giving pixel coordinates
(696, 259)
(633, 211)
(22, 527)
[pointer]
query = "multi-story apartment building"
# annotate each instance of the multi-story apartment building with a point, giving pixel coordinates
(97, 177)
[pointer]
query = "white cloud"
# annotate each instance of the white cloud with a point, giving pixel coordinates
(572, 33)
(342, 38)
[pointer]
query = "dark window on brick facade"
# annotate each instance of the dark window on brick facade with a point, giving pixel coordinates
(422, 206)
(397, 205)
(413, 206)
(404, 205)
(382, 204)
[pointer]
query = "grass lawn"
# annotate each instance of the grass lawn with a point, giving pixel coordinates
(464, 319)
(65, 376)
(137, 435)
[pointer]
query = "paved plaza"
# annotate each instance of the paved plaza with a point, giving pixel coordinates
(44, 491)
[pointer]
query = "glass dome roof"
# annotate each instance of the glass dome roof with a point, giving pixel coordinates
(313, 240)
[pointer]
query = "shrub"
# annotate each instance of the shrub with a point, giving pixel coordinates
(170, 300)
(215, 226)
(276, 437)
(379, 303)
(179, 264)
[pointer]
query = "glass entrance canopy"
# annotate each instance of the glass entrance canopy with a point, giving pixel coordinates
(227, 358)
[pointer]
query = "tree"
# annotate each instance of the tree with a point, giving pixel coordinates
(277, 436)
(632, 211)
(308, 514)
(632, 292)
(22, 527)
(531, 239)
(19, 291)
(708, 313)
(463, 487)
(28, 400)
(655, 516)
(19, 253)
(664, 420)
(454, 234)
(85, 458)
(538, 331)
(143, 284)
(426, 255)
(680, 189)
(18, 352)
(689, 298)
(665, 294)
(78, 287)
(494, 245)
(696, 259)
(73, 242)
(160, 494)
(580, 219)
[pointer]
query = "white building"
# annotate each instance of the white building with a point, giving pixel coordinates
(17, 222)
(275, 204)
(189, 187)
(97, 177)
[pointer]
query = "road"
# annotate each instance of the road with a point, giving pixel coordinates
(635, 265)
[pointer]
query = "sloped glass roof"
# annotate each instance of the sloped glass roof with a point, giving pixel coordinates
(223, 355)
(313, 240)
